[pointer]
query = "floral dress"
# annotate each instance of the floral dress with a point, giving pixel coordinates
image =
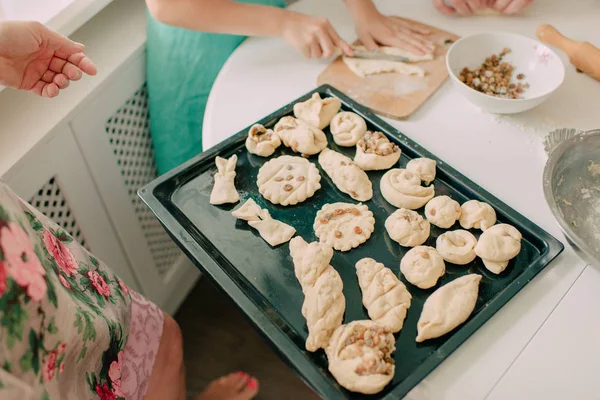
(69, 327)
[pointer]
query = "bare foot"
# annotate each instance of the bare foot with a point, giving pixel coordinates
(238, 386)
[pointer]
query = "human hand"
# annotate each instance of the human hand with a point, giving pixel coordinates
(509, 7)
(374, 28)
(34, 58)
(315, 37)
(462, 7)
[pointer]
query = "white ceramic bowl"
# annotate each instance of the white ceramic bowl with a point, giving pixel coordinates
(543, 69)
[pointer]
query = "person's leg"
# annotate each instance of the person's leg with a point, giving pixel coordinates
(168, 375)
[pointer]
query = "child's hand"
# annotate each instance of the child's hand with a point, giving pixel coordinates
(510, 6)
(375, 28)
(462, 7)
(313, 36)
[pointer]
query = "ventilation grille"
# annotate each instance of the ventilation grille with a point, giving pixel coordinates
(50, 201)
(129, 135)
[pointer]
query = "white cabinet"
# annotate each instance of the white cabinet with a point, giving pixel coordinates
(54, 178)
(112, 131)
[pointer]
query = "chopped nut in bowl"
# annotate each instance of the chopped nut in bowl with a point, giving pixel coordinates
(504, 73)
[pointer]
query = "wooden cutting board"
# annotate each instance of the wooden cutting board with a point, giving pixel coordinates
(393, 95)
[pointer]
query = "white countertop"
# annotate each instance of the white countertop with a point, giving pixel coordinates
(505, 358)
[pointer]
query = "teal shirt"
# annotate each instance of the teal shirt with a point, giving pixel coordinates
(181, 66)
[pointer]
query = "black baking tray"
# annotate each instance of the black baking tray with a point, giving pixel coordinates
(261, 280)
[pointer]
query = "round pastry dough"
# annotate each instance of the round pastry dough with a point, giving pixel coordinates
(346, 175)
(424, 168)
(478, 215)
(498, 245)
(288, 180)
(457, 247)
(359, 356)
(344, 226)
(317, 112)
(407, 228)
(403, 189)
(448, 307)
(423, 266)
(442, 211)
(262, 141)
(374, 151)
(347, 128)
(300, 137)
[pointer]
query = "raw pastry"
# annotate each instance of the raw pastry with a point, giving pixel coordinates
(403, 189)
(317, 112)
(457, 247)
(407, 227)
(347, 128)
(423, 266)
(386, 298)
(374, 151)
(310, 260)
(300, 137)
(224, 189)
(324, 303)
(344, 226)
(346, 175)
(498, 245)
(448, 307)
(394, 51)
(262, 141)
(478, 215)
(360, 356)
(364, 67)
(424, 168)
(273, 231)
(442, 211)
(288, 180)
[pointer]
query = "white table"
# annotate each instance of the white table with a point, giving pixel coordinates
(543, 343)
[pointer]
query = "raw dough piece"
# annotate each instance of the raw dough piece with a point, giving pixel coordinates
(423, 266)
(300, 137)
(478, 215)
(360, 356)
(442, 211)
(394, 51)
(224, 189)
(324, 303)
(448, 307)
(403, 189)
(407, 227)
(273, 231)
(488, 12)
(457, 247)
(346, 175)
(374, 151)
(347, 128)
(344, 226)
(498, 245)
(386, 298)
(262, 141)
(424, 168)
(310, 260)
(288, 180)
(363, 67)
(317, 112)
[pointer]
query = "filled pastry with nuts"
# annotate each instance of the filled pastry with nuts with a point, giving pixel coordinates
(360, 356)
(374, 151)
(262, 141)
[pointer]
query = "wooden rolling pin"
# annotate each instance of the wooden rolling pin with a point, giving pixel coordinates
(583, 55)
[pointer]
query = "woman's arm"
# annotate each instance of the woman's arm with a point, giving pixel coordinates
(313, 36)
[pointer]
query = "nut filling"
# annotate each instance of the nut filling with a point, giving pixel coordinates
(493, 78)
(260, 134)
(338, 212)
(374, 346)
(377, 143)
